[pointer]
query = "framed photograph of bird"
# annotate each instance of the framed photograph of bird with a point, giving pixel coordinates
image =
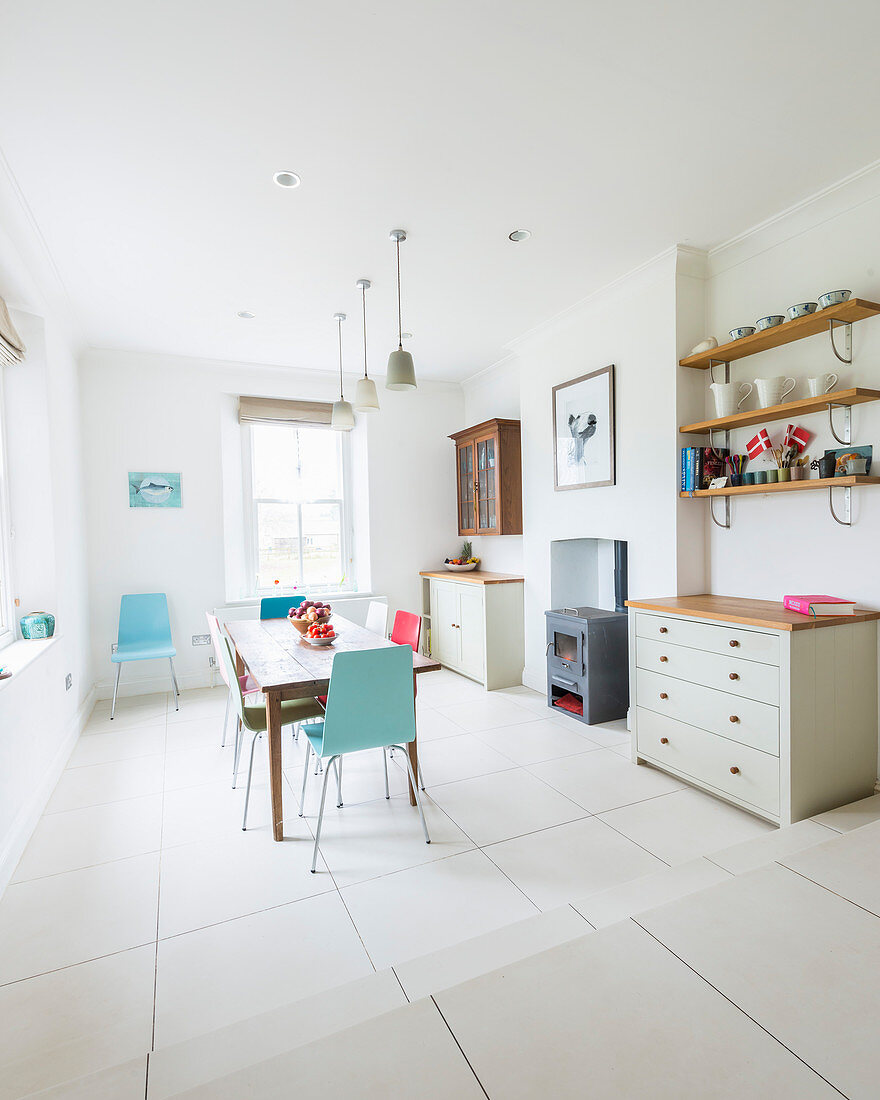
(583, 431)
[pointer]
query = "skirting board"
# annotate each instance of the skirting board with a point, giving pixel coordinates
(154, 684)
(31, 812)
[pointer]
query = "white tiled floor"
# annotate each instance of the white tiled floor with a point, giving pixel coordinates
(141, 904)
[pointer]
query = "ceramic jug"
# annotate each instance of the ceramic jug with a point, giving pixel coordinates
(726, 394)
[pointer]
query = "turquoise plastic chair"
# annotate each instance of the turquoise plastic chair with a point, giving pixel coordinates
(370, 705)
(276, 607)
(144, 635)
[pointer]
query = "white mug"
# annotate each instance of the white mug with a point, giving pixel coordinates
(821, 385)
(726, 394)
(771, 391)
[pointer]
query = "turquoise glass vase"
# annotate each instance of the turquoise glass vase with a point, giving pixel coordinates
(38, 624)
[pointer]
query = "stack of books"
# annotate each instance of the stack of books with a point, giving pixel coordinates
(699, 465)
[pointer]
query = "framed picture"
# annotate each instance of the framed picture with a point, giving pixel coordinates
(583, 431)
(146, 490)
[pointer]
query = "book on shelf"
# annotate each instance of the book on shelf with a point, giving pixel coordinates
(699, 465)
(819, 605)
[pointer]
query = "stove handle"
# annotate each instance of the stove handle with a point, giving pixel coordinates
(565, 683)
(570, 611)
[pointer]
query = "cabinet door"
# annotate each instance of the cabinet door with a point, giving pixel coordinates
(444, 623)
(467, 504)
(471, 630)
(487, 484)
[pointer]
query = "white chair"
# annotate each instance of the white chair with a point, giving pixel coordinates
(377, 617)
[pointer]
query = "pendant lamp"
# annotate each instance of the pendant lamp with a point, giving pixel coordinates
(365, 397)
(401, 374)
(342, 416)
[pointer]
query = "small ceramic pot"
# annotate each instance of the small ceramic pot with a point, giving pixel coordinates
(856, 465)
(798, 473)
(736, 480)
(749, 478)
(772, 476)
(760, 477)
(38, 624)
(784, 474)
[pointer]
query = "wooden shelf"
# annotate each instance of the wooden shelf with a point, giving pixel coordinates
(848, 482)
(803, 405)
(856, 309)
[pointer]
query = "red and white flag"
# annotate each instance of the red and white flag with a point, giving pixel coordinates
(759, 444)
(796, 437)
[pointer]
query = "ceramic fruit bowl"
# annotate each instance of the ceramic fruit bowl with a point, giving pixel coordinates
(466, 568)
(834, 298)
(743, 330)
(321, 641)
(308, 612)
(802, 309)
(769, 322)
(320, 634)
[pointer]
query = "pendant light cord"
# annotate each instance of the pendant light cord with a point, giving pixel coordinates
(399, 313)
(339, 326)
(364, 299)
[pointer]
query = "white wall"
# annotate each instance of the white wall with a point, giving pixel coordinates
(158, 412)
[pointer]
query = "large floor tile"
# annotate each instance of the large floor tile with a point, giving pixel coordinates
(445, 688)
(205, 1058)
(770, 846)
(360, 842)
(98, 783)
(127, 1081)
(555, 866)
(619, 902)
(684, 825)
(532, 742)
(800, 961)
(463, 757)
(209, 764)
(48, 923)
(407, 1052)
(426, 908)
(534, 701)
(608, 734)
(124, 744)
(441, 969)
(615, 1015)
(485, 713)
(141, 710)
(363, 780)
(602, 780)
(433, 726)
(95, 834)
(226, 972)
(212, 811)
(200, 703)
(75, 1021)
(847, 865)
(504, 805)
(194, 733)
(852, 816)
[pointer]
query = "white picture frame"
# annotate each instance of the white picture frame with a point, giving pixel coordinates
(583, 431)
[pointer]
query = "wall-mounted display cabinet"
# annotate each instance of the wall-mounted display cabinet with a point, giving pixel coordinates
(488, 477)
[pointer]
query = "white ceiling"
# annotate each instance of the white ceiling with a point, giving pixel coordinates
(144, 137)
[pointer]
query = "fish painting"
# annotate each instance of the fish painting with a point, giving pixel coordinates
(147, 490)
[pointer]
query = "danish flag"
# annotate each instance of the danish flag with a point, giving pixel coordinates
(796, 437)
(759, 444)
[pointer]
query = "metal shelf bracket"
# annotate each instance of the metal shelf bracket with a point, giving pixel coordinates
(847, 422)
(847, 339)
(713, 363)
(847, 507)
(726, 524)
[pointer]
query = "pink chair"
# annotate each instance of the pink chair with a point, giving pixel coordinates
(407, 629)
(248, 684)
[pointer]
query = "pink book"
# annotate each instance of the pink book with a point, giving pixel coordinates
(818, 605)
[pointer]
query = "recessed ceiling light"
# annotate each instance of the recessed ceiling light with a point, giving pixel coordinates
(287, 179)
(519, 235)
(245, 315)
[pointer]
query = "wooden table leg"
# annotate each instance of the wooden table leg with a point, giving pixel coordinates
(273, 716)
(412, 749)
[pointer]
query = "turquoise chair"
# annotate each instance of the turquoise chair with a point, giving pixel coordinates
(370, 705)
(254, 719)
(144, 635)
(276, 607)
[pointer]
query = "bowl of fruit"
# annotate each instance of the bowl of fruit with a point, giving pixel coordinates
(465, 561)
(309, 612)
(320, 634)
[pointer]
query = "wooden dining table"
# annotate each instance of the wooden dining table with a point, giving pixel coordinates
(285, 666)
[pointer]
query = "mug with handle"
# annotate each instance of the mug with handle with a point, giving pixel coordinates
(823, 384)
(771, 391)
(726, 394)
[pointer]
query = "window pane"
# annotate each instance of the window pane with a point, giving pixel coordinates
(296, 463)
(277, 545)
(275, 462)
(322, 545)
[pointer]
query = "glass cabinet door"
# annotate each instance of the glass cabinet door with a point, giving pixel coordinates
(466, 486)
(487, 484)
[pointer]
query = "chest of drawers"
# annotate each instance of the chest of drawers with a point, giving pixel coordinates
(769, 711)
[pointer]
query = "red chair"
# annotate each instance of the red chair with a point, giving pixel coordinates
(407, 629)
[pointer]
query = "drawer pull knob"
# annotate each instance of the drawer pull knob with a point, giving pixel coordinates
(733, 643)
(664, 659)
(664, 740)
(664, 630)
(663, 695)
(734, 718)
(734, 675)
(734, 771)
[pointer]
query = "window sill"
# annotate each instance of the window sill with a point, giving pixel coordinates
(328, 597)
(17, 656)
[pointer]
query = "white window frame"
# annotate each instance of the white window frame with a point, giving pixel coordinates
(7, 609)
(251, 522)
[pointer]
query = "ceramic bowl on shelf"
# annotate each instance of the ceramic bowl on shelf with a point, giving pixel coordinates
(461, 568)
(770, 321)
(802, 309)
(834, 298)
(743, 330)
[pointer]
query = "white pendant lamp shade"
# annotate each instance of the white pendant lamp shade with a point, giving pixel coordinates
(366, 399)
(342, 414)
(401, 373)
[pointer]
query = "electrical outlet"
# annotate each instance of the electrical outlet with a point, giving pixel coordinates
(212, 661)
(201, 639)
(68, 681)
(113, 647)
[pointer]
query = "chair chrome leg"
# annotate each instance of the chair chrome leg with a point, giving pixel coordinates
(337, 764)
(174, 684)
(239, 735)
(247, 796)
(419, 770)
(296, 731)
(321, 814)
(226, 718)
(115, 689)
(385, 762)
(416, 791)
(302, 797)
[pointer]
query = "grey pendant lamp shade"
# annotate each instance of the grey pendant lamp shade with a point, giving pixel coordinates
(365, 397)
(342, 416)
(401, 374)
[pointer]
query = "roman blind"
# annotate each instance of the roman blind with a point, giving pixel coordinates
(12, 349)
(268, 410)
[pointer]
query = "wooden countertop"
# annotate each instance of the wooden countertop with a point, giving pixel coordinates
(476, 576)
(733, 609)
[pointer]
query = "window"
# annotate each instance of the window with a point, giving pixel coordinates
(7, 619)
(296, 477)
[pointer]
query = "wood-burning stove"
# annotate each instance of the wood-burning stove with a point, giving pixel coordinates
(588, 663)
